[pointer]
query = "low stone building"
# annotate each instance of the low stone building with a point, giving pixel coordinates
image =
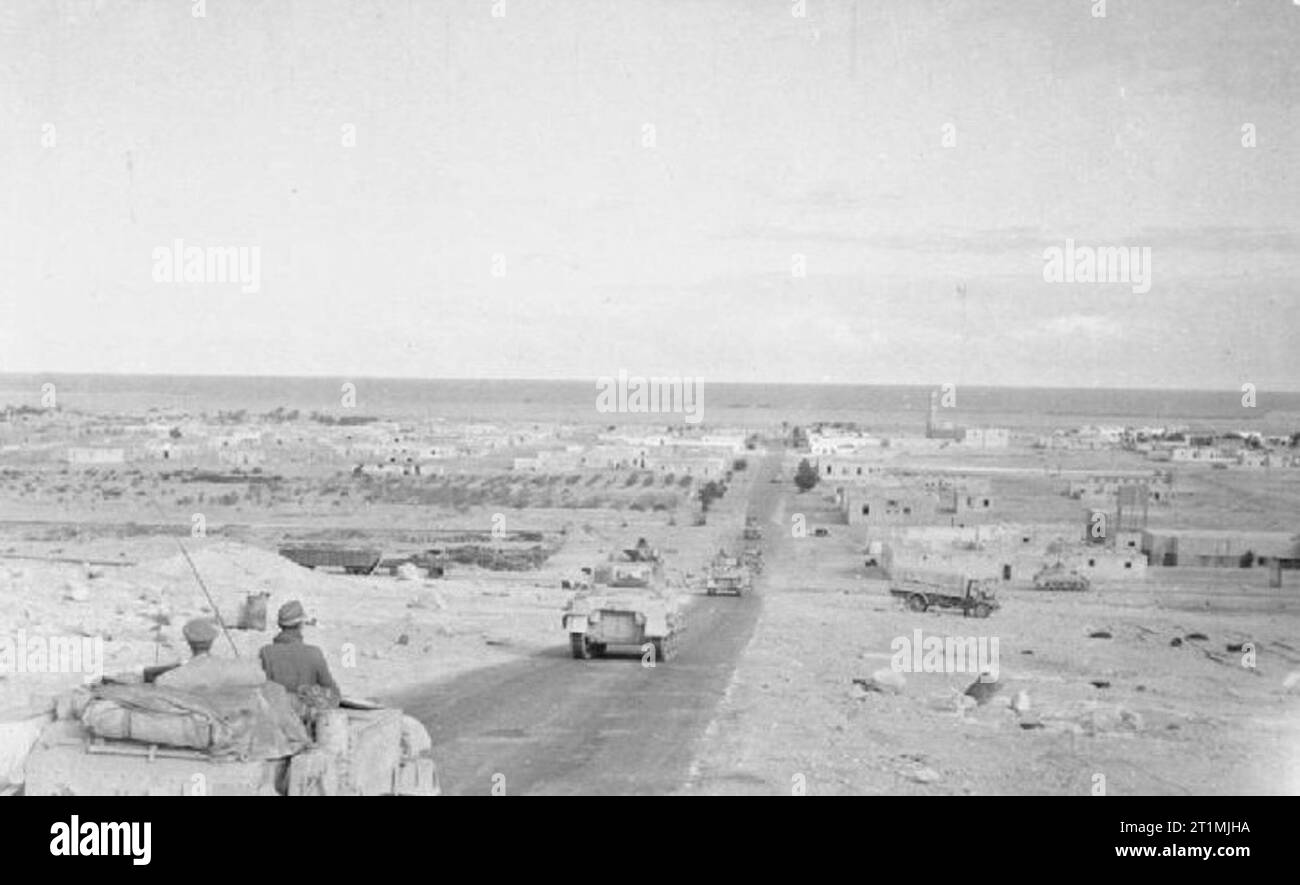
(1172, 548)
(93, 455)
(888, 505)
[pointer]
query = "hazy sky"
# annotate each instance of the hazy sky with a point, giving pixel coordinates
(645, 174)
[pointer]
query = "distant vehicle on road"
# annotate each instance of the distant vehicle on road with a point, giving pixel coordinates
(627, 603)
(727, 575)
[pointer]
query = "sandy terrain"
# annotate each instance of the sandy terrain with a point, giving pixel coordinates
(1131, 687)
(380, 634)
(1151, 708)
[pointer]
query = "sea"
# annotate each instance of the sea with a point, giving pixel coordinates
(724, 404)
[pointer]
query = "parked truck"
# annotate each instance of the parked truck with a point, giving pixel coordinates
(353, 560)
(975, 598)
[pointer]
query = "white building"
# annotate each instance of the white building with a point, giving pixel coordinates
(96, 455)
(987, 437)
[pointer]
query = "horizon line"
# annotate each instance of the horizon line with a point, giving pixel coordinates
(595, 378)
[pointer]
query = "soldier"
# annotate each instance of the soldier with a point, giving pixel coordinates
(299, 667)
(203, 669)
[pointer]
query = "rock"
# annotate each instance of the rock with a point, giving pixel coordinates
(1109, 719)
(1099, 634)
(925, 776)
(1193, 636)
(1020, 703)
(1099, 683)
(982, 692)
(403, 639)
(1176, 641)
(1292, 681)
(883, 680)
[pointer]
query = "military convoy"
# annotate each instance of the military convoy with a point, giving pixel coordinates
(1058, 577)
(624, 602)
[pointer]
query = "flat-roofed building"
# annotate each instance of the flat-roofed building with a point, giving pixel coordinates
(1213, 548)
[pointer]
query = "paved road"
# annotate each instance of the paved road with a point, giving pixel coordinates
(551, 725)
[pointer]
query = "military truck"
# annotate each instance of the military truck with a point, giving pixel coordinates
(974, 598)
(353, 560)
(367, 750)
(627, 603)
(1058, 577)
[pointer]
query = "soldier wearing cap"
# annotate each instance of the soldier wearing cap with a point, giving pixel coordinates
(203, 669)
(293, 663)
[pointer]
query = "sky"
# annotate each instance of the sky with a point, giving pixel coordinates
(737, 190)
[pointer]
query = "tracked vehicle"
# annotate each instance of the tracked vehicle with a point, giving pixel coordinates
(627, 605)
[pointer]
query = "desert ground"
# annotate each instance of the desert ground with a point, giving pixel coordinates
(1128, 687)
(1134, 687)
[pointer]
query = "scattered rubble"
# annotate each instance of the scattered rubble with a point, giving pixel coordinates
(926, 776)
(884, 680)
(982, 691)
